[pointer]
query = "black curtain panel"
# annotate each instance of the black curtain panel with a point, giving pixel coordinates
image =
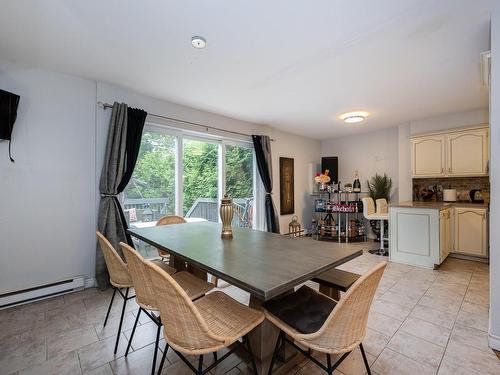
(262, 146)
(122, 149)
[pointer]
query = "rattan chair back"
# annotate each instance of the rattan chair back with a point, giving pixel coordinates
(184, 328)
(117, 268)
(345, 328)
(170, 219)
(141, 279)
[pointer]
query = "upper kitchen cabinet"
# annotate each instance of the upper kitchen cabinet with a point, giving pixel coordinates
(451, 154)
(428, 156)
(467, 153)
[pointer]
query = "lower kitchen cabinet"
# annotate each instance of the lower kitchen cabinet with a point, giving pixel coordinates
(445, 233)
(470, 231)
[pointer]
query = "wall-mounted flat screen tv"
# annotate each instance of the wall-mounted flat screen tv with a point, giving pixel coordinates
(8, 113)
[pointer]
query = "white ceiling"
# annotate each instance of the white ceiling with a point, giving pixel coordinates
(296, 65)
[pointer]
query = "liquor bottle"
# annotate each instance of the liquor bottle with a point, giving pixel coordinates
(356, 186)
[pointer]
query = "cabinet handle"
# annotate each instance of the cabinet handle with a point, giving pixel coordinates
(442, 169)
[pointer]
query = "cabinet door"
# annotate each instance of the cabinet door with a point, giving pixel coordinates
(428, 156)
(467, 153)
(470, 231)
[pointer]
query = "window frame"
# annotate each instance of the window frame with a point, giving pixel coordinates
(180, 135)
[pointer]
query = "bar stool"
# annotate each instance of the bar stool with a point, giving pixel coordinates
(380, 214)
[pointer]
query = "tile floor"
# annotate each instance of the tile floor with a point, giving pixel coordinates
(422, 322)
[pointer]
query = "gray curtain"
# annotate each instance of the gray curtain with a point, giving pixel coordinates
(262, 146)
(122, 149)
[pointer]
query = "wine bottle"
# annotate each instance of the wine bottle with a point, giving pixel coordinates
(356, 186)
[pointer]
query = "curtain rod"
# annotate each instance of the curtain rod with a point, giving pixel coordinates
(107, 105)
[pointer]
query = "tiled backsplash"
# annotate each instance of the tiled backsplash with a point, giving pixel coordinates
(462, 184)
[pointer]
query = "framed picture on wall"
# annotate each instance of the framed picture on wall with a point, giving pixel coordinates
(287, 199)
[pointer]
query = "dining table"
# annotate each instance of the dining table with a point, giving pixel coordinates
(266, 265)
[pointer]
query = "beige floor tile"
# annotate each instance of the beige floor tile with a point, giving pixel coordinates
(391, 309)
(472, 337)
(101, 352)
(448, 368)
(392, 363)
(472, 359)
(103, 370)
(354, 364)
(439, 303)
(138, 362)
(454, 277)
(420, 328)
(440, 318)
(478, 295)
(375, 342)
(454, 264)
(23, 355)
(144, 335)
(68, 341)
(447, 290)
(406, 300)
(474, 316)
(416, 348)
(383, 323)
(64, 364)
(411, 288)
(112, 325)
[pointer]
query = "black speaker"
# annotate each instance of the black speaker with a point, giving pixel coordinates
(332, 164)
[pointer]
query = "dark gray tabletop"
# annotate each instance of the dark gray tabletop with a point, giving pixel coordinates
(264, 264)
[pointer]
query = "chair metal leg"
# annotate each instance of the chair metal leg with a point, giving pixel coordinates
(109, 308)
(215, 356)
(125, 298)
(156, 346)
(133, 331)
(162, 359)
(200, 365)
(252, 358)
(329, 364)
(364, 359)
(275, 353)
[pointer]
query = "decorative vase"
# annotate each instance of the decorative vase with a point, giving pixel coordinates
(226, 215)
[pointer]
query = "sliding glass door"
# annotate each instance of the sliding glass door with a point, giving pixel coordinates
(201, 180)
(186, 175)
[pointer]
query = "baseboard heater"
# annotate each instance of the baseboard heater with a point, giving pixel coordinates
(41, 292)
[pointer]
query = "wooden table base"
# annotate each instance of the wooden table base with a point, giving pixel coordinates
(263, 340)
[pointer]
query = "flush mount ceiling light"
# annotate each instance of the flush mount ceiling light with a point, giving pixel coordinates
(354, 117)
(198, 42)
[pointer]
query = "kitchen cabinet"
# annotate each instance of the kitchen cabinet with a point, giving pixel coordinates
(458, 153)
(445, 233)
(470, 231)
(428, 156)
(467, 153)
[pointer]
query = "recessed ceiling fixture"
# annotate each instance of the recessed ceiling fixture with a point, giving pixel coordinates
(353, 117)
(198, 42)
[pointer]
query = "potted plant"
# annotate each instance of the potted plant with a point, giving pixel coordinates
(379, 186)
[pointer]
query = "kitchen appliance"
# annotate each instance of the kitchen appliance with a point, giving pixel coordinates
(450, 195)
(476, 196)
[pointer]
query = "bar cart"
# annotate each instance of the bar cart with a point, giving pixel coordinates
(338, 216)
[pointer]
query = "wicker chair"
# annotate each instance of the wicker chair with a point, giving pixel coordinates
(168, 220)
(145, 295)
(204, 326)
(342, 331)
(119, 278)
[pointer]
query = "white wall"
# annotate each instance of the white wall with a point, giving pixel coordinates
(47, 216)
(369, 153)
(304, 152)
(495, 183)
(49, 197)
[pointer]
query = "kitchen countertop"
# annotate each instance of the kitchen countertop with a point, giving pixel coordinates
(437, 205)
